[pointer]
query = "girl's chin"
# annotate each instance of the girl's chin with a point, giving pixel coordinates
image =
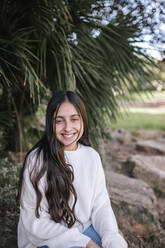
(70, 147)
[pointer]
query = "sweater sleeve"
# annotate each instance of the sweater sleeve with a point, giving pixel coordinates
(43, 230)
(103, 218)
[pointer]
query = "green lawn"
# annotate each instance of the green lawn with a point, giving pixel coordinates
(146, 96)
(141, 118)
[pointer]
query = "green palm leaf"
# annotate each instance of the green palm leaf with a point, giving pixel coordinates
(61, 45)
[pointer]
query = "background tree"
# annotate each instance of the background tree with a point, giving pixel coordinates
(88, 46)
(148, 14)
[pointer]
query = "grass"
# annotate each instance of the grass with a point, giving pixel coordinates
(146, 96)
(141, 118)
(134, 118)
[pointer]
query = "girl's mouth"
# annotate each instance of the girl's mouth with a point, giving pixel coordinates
(68, 135)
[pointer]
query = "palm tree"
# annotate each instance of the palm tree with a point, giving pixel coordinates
(57, 45)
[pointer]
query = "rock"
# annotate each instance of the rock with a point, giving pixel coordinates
(157, 240)
(113, 152)
(104, 150)
(142, 230)
(133, 202)
(152, 146)
(161, 140)
(150, 169)
(148, 134)
(161, 210)
(121, 135)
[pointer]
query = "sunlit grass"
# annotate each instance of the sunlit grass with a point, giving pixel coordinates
(146, 96)
(133, 118)
(141, 118)
(152, 111)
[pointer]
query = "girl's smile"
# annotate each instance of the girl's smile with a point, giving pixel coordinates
(68, 125)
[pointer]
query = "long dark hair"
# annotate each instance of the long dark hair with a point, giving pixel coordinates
(59, 174)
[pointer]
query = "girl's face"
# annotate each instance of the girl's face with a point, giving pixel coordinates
(68, 126)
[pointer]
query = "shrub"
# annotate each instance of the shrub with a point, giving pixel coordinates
(9, 174)
(9, 210)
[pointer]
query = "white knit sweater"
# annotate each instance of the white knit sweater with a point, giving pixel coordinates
(92, 207)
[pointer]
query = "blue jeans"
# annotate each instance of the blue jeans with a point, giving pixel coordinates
(91, 233)
(45, 246)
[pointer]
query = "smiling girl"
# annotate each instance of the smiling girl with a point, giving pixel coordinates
(63, 197)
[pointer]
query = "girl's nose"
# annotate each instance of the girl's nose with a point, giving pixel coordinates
(68, 126)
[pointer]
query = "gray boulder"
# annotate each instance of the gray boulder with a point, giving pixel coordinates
(150, 169)
(121, 135)
(142, 134)
(133, 202)
(152, 146)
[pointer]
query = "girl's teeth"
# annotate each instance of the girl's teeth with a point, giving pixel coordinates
(68, 135)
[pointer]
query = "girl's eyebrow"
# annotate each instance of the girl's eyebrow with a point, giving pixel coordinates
(60, 116)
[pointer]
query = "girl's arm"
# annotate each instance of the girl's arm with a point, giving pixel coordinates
(92, 244)
(103, 218)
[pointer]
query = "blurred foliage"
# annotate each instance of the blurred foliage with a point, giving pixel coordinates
(9, 173)
(160, 73)
(9, 209)
(148, 16)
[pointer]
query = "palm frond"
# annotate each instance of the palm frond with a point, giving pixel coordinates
(61, 45)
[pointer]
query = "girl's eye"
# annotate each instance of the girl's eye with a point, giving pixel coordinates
(58, 121)
(75, 119)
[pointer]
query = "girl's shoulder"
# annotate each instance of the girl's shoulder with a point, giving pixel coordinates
(88, 148)
(32, 155)
(90, 151)
(33, 158)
